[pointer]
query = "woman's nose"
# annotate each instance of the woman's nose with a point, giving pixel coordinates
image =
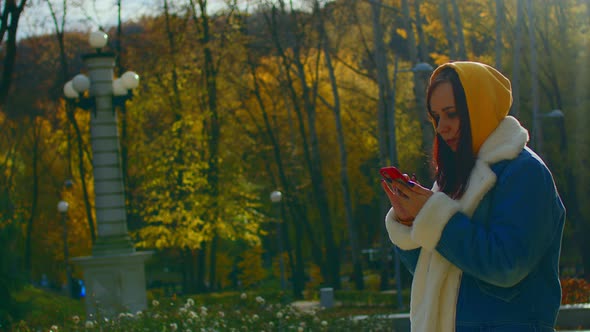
(442, 126)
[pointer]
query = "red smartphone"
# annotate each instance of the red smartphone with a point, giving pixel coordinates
(390, 173)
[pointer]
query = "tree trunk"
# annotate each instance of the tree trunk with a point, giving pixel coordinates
(212, 124)
(199, 282)
(536, 137)
(71, 116)
(213, 263)
(420, 80)
(9, 18)
(82, 170)
(515, 109)
(446, 22)
(176, 105)
(331, 267)
(499, 26)
(383, 104)
(347, 201)
(133, 219)
(582, 183)
(319, 188)
(34, 201)
(298, 216)
(422, 42)
(459, 26)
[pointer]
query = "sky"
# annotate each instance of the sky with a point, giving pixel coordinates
(36, 18)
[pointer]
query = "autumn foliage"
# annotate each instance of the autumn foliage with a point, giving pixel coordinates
(575, 290)
(234, 105)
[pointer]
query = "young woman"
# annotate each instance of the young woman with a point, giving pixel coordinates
(483, 244)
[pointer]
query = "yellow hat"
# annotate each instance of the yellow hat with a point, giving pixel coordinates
(489, 97)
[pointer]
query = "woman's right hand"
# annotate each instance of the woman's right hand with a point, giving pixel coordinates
(402, 215)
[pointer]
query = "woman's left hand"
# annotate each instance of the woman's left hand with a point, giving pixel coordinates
(412, 196)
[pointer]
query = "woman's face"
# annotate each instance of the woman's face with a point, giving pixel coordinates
(444, 112)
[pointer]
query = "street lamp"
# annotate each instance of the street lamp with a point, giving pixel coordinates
(275, 198)
(62, 207)
(537, 134)
(421, 68)
(114, 274)
(554, 114)
(121, 89)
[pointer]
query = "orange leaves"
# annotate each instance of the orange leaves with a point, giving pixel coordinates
(251, 268)
(574, 290)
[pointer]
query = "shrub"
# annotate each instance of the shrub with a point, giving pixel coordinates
(247, 313)
(252, 271)
(574, 290)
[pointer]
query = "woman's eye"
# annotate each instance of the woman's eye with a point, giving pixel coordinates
(452, 115)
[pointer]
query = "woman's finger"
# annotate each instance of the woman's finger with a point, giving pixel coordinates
(402, 187)
(386, 188)
(410, 187)
(392, 193)
(419, 189)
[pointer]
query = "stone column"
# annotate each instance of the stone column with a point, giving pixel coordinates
(114, 275)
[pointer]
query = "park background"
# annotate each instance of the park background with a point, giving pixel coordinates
(252, 97)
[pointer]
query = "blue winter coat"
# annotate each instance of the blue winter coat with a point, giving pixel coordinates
(508, 251)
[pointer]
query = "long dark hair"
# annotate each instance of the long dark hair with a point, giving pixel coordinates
(452, 169)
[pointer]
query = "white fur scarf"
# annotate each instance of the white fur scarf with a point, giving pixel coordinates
(435, 286)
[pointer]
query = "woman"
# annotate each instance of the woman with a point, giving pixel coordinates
(483, 245)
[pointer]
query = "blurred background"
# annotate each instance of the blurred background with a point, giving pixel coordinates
(241, 99)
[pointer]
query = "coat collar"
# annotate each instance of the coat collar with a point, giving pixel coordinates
(505, 143)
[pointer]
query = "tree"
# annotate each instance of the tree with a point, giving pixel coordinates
(304, 103)
(382, 121)
(446, 22)
(462, 53)
(420, 79)
(499, 25)
(9, 19)
(72, 121)
(354, 247)
(516, 59)
(261, 107)
(251, 268)
(270, 137)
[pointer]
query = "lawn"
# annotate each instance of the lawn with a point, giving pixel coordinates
(227, 311)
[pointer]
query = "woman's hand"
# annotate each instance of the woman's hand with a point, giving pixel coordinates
(407, 198)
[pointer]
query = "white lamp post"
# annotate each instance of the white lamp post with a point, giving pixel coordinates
(62, 208)
(114, 274)
(275, 198)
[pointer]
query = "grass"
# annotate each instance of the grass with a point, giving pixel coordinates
(43, 307)
(263, 310)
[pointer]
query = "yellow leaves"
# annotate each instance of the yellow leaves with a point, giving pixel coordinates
(224, 268)
(402, 33)
(251, 268)
(439, 58)
(315, 278)
(276, 265)
(164, 237)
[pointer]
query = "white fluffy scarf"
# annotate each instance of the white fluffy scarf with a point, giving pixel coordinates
(435, 286)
